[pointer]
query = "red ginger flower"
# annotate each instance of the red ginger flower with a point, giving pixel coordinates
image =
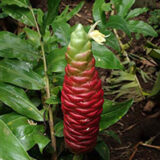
(82, 95)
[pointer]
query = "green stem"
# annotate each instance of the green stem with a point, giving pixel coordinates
(78, 157)
(47, 87)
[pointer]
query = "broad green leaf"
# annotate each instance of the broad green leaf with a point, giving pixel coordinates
(21, 14)
(56, 60)
(59, 129)
(105, 58)
(62, 31)
(98, 12)
(113, 113)
(17, 99)
(10, 146)
(11, 46)
(52, 11)
(106, 105)
(18, 73)
(118, 22)
(141, 28)
(156, 87)
(20, 3)
(123, 6)
(136, 12)
(26, 131)
(103, 150)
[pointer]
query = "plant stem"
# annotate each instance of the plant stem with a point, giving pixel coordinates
(78, 157)
(47, 87)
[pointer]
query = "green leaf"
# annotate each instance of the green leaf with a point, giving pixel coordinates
(155, 54)
(107, 7)
(56, 90)
(118, 22)
(11, 46)
(21, 14)
(52, 11)
(113, 113)
(156, 87)
(106, 105)
(105, 58)
(136, 12)
(56, 60)
(20, 74)
(17, 99)
(113, 135)
(3, 15)
(33, 36)
(59, 129)
(62, 15)
(26, 131)
(39, 16)
(98, 12)
(50, 41)
(123, 6)
(20, 3)
(74, 11)
(10, 146)
(141, 28)
(62, 31)
(65, 16)
(111, 40)
(103, 150)
(53, 100)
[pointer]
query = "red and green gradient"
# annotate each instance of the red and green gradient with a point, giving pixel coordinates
(82, 95)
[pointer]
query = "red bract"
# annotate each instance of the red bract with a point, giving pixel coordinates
(82, 95)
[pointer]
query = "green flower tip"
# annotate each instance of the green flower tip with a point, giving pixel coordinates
(79, 32)
(79, 28)
(79, 37)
